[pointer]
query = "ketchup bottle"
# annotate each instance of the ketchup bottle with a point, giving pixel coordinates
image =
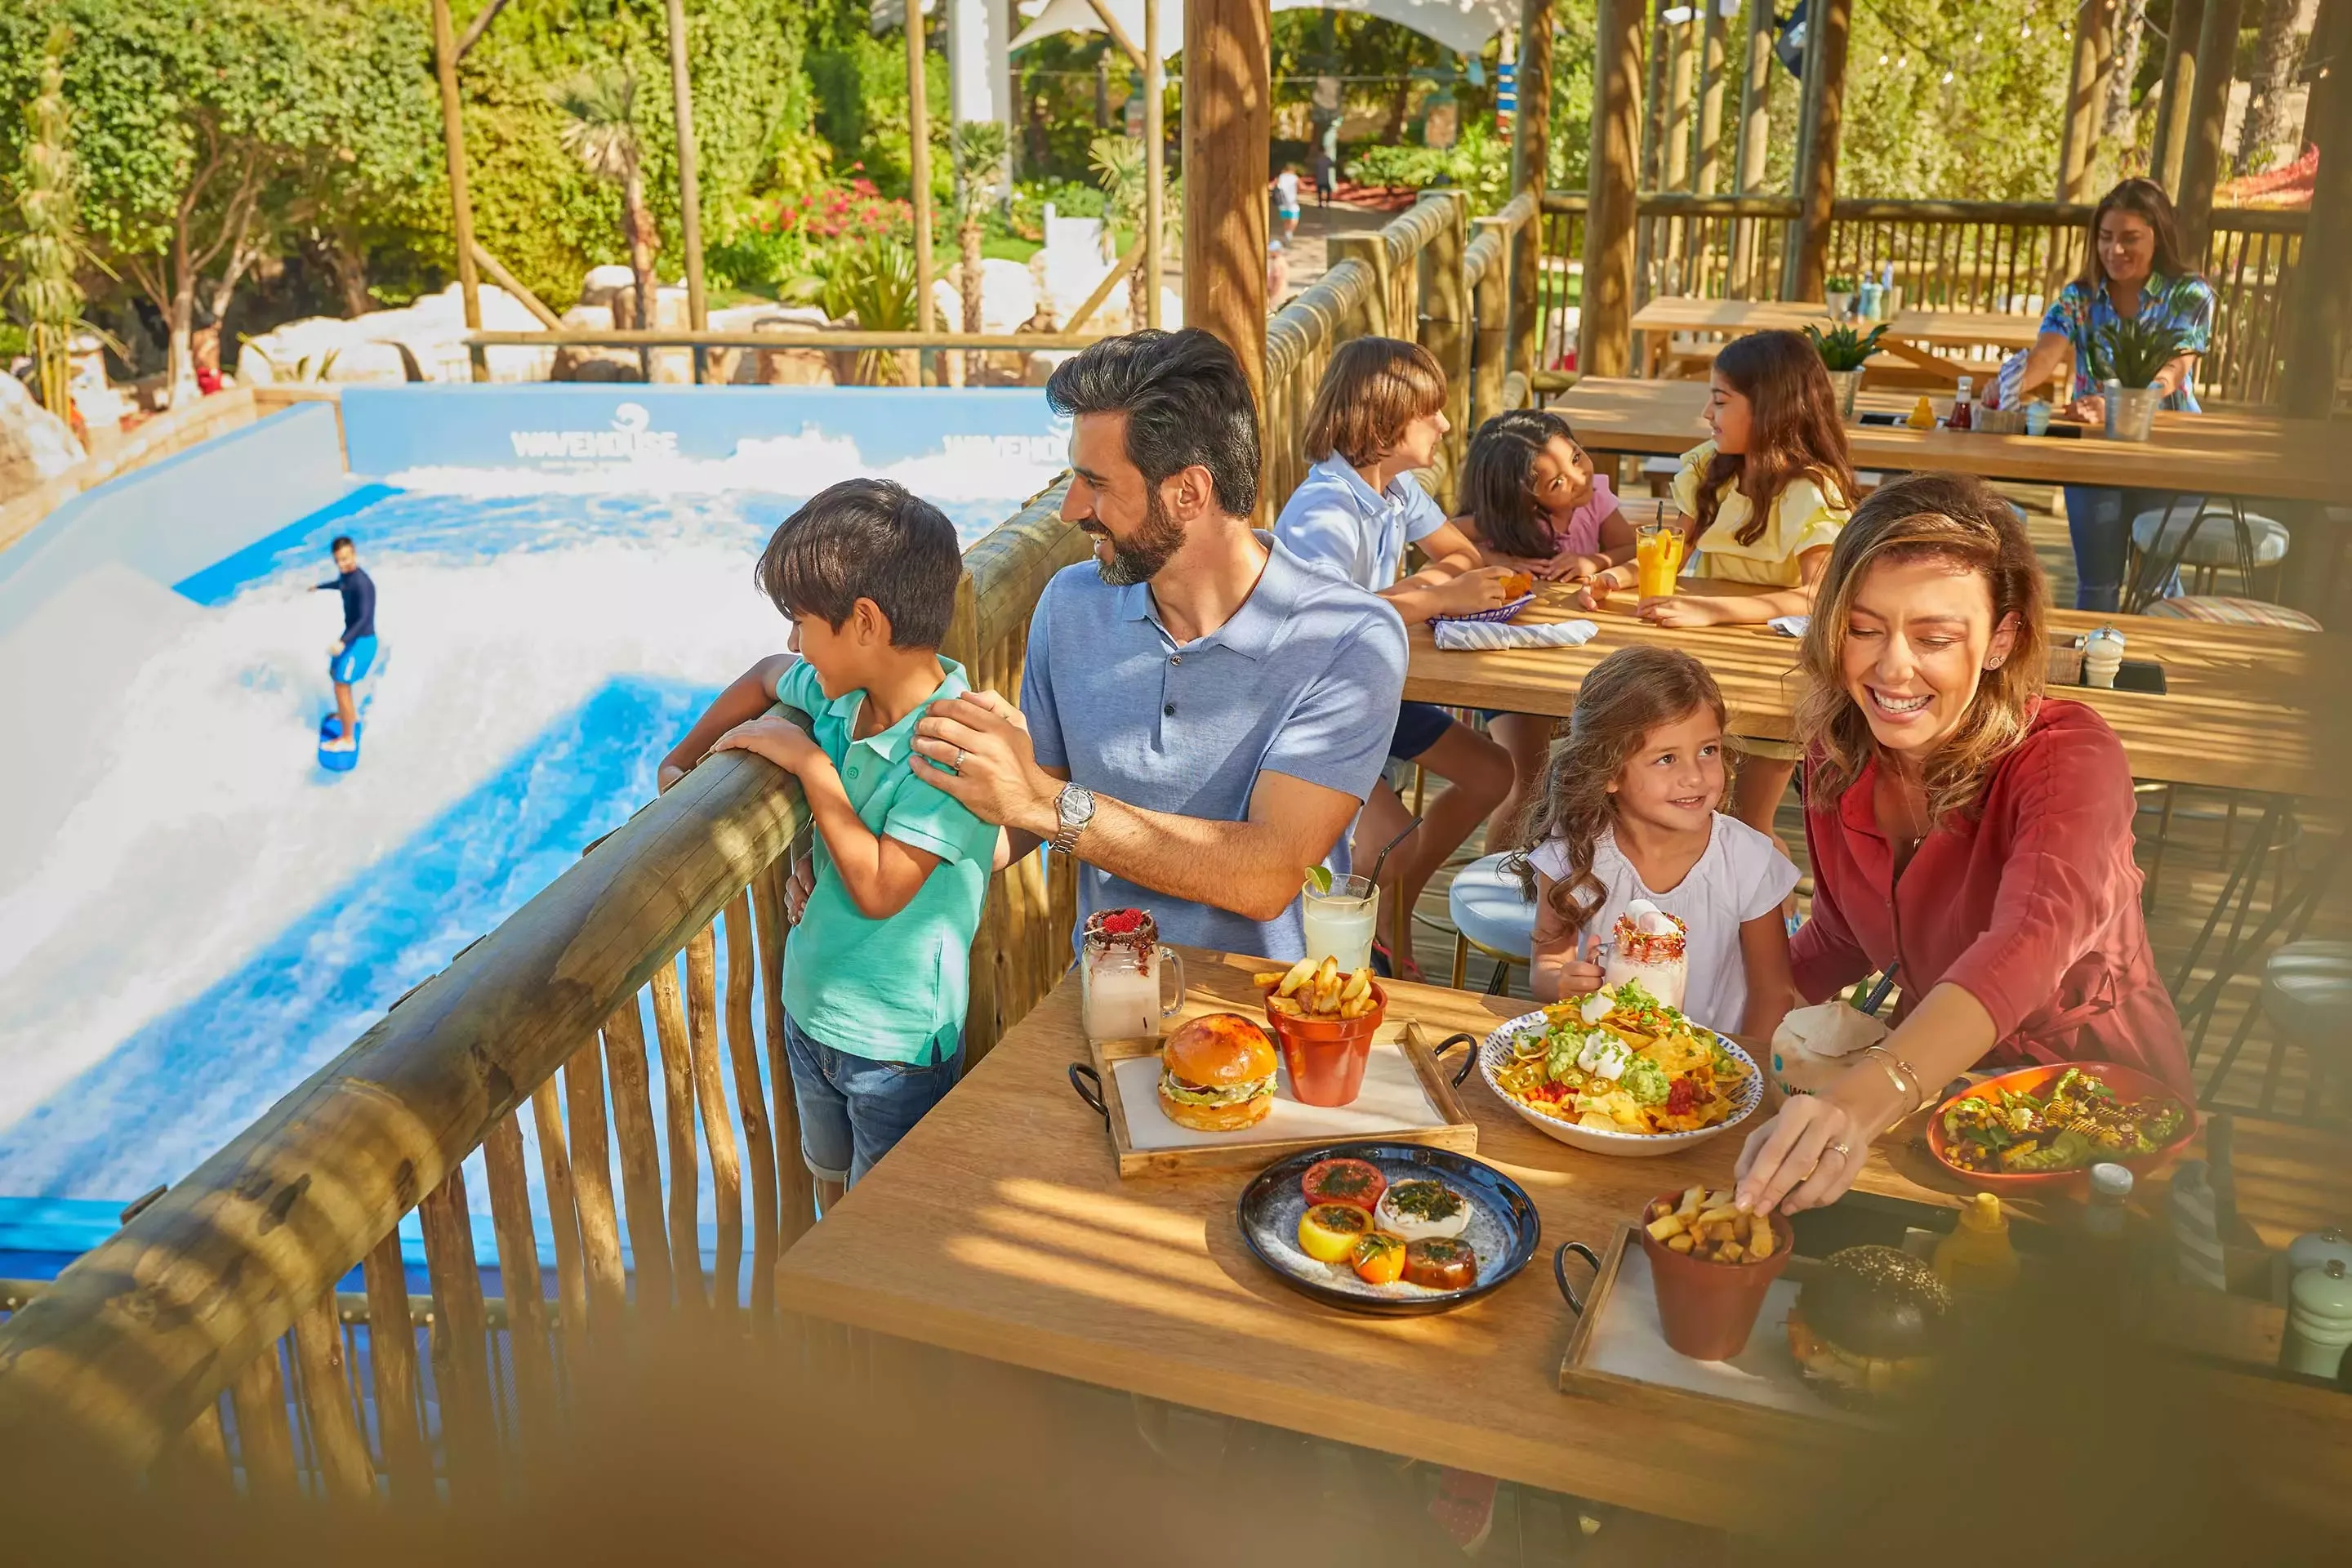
(1962, 418)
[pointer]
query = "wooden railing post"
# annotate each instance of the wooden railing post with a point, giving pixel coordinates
(1530, 158)
(1372, 251)
(1755, 143)
(1490, 314)
(1444, 320)
(1605, 324)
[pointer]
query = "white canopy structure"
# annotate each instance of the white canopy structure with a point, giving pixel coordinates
(1462, 26)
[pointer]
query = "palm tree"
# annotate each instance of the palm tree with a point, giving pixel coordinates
(1121, 169)
(602, 133)
(50, 246)
(978, 152)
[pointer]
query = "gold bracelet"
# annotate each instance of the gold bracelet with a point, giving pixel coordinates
(1889, 1065)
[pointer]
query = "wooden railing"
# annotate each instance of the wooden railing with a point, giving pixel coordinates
(1958, 256)
(1423, 277)
(224, 1291)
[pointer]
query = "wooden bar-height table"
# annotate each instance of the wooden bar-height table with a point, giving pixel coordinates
(1910, 344)
(1001, 1228)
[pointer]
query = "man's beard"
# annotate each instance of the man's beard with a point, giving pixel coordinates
(1139, 559)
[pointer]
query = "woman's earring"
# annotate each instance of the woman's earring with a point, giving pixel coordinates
(1991, 665)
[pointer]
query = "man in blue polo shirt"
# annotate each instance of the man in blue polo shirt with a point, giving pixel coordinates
(1204, 713)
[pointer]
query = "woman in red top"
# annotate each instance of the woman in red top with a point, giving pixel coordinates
(1962, 825)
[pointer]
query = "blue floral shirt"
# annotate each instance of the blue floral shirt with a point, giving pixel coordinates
(2186, 303)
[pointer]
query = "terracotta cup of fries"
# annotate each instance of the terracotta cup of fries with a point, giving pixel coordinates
(1324, 1021)
(1712, 1265)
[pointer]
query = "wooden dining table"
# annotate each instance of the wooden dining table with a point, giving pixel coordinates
(1913, 337)
(2246, 708)
(2253, 456)
(1001, 1228)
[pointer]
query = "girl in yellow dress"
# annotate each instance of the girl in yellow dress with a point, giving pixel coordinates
(1760, 506)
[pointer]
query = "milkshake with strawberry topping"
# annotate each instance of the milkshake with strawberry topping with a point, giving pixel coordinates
(1647, 946)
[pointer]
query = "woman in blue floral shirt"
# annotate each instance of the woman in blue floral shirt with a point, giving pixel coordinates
(2133, 270)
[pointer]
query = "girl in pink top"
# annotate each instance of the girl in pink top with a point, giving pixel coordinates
(1534, 502)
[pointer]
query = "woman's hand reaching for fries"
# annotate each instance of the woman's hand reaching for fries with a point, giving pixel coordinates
(1711, 1227)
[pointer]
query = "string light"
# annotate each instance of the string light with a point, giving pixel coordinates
(1902, 62)
(1948, 78)
(1882, 59)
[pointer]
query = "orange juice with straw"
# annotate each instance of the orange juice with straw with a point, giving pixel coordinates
(1657, 559)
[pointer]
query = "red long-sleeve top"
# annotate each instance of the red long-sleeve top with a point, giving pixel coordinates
(2032, 905)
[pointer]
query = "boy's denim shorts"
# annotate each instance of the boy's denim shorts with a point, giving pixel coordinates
(853, 1109)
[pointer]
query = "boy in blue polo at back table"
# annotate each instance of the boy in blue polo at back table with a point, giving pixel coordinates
(877, 980)
(354, 651)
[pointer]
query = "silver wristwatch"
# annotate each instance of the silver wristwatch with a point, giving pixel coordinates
(1075, 806)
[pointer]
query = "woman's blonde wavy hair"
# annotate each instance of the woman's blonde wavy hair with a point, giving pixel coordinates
(1960, 520)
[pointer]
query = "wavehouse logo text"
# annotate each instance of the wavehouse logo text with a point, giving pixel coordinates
(630, 438)
(1046, 451)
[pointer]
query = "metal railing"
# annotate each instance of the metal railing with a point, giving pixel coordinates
(207, 1333)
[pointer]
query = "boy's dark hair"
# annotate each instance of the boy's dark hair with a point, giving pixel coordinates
(341, 541)
(1186, 402)
(866, 538)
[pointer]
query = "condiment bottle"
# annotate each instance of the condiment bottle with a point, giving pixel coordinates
(2103, 657)
(2037, 418)
(2111, 1189)
(1961, 416)
(1976, 1258)
(2318, 1321)
(2196, 1234)
(1923, 414)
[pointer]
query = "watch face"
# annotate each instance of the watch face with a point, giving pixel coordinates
(1075, 806)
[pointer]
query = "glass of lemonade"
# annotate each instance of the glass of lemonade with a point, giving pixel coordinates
(1339, 922)
(1657, 559)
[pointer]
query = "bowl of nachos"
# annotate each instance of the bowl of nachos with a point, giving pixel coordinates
(1619, 1072)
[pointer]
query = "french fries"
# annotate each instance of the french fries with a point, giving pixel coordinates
(1710, 1227)
(1309, 989)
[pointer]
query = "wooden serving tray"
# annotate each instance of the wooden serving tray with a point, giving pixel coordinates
(1407, 1097)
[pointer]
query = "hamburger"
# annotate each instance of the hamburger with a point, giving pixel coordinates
(1871, 1321)
(1217, 1074)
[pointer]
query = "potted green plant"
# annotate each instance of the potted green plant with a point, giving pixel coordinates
(1844, 353)
(2125, 358)
(1838, 290)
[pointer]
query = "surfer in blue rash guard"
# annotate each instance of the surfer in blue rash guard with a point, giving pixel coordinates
(349, 659)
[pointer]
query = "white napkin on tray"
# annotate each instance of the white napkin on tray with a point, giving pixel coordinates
(1464, 637)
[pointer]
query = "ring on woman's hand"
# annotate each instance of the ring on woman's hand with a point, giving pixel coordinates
(960, 755)
(1840, 1150)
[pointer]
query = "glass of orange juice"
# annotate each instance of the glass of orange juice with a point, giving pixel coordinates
(1657, 559)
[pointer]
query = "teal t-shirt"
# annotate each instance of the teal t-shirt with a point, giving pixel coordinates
(885, 989)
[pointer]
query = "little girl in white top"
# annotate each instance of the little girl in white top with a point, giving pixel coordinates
(1628, 812)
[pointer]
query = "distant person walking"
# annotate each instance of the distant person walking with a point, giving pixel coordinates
(354, 651)
(1327, 175)
(1286, 201)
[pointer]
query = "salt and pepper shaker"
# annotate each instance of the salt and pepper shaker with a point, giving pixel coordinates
(2037, 418)
(2103, 657)
(2318, 1321)
(2196, 1238)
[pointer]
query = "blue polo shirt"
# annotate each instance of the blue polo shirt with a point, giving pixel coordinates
(1336, 521)
(1303, 680)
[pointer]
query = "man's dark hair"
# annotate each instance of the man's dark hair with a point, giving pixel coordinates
(342, 541)
(1186, 402)
(866, 538)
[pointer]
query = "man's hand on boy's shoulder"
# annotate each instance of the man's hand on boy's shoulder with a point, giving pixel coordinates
(976, 747)
(779, 739)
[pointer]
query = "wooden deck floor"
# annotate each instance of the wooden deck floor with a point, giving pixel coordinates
(2190, 875)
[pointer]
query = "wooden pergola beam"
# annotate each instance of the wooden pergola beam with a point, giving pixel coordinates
(1530, 158)
(2178, 82)
(1605, 324)
(1228, 131)
(2209, 106)
(2320, 323)
(1832, 27)
(689, 185)
(2086, 95)
(461, 200)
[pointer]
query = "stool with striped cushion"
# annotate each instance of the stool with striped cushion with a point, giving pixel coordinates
(1492, 915)
(2228, 611)
(2213, 535)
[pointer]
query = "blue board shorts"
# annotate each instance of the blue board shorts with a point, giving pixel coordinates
(1419, 726)
(351, 666)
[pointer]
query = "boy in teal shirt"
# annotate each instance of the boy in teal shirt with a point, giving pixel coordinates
(879, 974)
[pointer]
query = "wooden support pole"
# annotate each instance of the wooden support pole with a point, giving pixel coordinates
(2209, 106)
(514, 286)
(461, 200)
(1112, 26)
(1490, 311)
(1654, 96)
(919, 169)
(391, 1358)
(1155, 165)
(2320, 323)
(1710, 99)
(1444, 328)
(1755, 143)
(2178, 83)
(2087, 96)
(1228, 127)
(1682, 59)
(690, 187)
(1817, 179)
(1605, 321)
(1530, 160)
(479, 26)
